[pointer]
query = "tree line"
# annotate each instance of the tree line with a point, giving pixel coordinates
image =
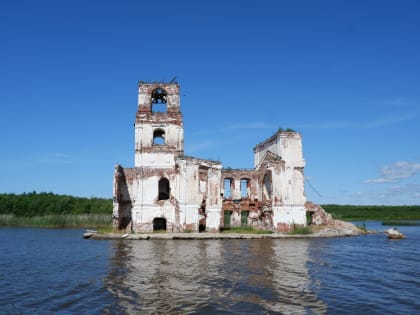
(362, 213)
(39, 204)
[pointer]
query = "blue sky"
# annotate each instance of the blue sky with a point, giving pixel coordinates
(346, 74)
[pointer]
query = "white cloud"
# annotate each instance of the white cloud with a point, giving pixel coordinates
(395, 172)
(410, 188)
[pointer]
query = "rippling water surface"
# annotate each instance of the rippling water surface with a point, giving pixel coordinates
(56, 271)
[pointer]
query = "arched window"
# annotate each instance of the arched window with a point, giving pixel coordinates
(164, 189)
(159, 100)
(159, 137)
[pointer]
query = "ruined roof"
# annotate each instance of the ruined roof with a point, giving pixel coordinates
(274, 137)
(195, 159)
(158, 82)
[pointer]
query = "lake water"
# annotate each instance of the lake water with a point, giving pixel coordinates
(44, 271)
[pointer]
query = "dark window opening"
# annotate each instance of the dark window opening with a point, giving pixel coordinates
(158, 137)
(159, 100)
(164, 189)
(202, 212)
(159, 224)
(202, 227)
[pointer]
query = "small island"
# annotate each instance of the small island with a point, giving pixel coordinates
(49, 210)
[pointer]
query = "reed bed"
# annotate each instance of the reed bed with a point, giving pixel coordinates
(88, 220)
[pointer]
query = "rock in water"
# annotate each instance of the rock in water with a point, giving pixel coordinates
(394, 233)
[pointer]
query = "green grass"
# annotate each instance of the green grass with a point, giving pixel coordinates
(245, 230)
(300, 231)
(108, 229)
(58, 220)
(362, 227)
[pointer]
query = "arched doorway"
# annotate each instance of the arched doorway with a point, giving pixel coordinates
(159, 224)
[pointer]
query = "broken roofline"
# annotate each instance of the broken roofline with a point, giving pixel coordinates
(189, 157)
(158, 82)
(274, 136)
(231, 169)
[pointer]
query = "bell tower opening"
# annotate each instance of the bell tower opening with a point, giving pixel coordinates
(159, 100)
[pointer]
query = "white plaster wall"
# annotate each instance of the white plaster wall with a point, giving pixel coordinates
(298, 181)
(235, 219)
(173, 100)
(288, 186)
(236, 190)
(148, 190)
(143, 97)
(146, 213)
(278, 185)
(192, 183)
(156, 160)
(180, 182)
(290, 148)
(299, 215)
(191, 216)
(202, 187)
(259, 155)
(289, 215)
(213, 219)
(214, 200)
(175, 136)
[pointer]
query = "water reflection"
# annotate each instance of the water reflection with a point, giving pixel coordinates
(292, 281)
(164, 275)
(239, 276)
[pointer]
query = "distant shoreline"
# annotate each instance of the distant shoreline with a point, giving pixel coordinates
(62, 211)
(373, 213)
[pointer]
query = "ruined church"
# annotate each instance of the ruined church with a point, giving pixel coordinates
(169, 191)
